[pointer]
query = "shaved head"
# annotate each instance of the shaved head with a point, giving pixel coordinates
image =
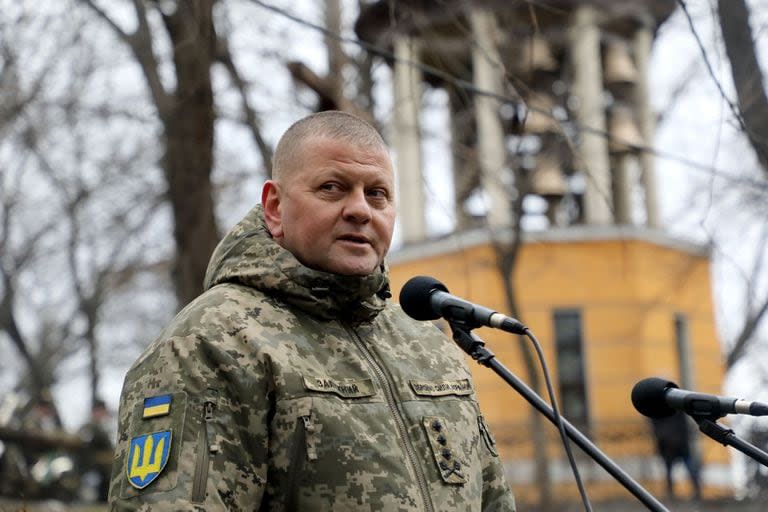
(331, 199)
(329, 124)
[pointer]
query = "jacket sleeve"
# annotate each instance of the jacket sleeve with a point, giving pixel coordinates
(497, 496)
(186, 441)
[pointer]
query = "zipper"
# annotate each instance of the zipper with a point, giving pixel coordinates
(309, 437)
(202, 458)
(490, 442)
(389, 394)
(301, 428)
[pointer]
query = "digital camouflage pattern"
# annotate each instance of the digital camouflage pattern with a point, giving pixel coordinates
(294, 389)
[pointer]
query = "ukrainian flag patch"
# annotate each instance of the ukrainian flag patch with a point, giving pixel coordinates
(156, 406)
(147, 456)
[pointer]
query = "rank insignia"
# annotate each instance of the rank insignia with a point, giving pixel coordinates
(156, 406)
(147, 456)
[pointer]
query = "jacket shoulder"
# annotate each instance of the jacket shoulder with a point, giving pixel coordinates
(212, 321)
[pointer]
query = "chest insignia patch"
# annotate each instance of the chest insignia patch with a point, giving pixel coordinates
(147, 456)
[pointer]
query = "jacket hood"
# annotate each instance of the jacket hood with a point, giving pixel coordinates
(249, 256)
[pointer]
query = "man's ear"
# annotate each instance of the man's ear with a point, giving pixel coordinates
(270, 201)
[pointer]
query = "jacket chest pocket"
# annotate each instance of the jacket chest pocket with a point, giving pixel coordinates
(452, 426)
(314, 422)
(314, 435)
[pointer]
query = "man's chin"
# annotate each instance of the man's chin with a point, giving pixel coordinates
(353, 268)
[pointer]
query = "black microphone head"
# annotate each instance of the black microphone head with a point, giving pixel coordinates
(415, 297)
(648, 397)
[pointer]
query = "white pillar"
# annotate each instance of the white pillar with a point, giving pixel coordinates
(463, 162)
(487, 75)
(622, 187)
(588, 98)
(407, 137)
(647, 122)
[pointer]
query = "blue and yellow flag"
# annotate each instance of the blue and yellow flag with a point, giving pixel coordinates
(147, 456)
(156, 406)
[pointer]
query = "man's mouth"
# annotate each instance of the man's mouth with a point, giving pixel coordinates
(358, 239)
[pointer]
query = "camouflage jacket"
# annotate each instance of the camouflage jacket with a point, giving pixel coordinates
(285, 388)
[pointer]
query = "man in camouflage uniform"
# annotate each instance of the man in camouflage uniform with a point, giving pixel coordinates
(292, 383)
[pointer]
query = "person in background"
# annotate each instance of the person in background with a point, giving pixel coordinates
(96, 459)
(294, 382)
(673, 444)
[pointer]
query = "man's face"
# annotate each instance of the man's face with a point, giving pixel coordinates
(335, 208)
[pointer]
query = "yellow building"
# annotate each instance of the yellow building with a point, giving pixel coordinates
(610, 306)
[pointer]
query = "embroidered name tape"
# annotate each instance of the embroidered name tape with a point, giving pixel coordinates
(441, 387)
(156, 406)
(345, 388)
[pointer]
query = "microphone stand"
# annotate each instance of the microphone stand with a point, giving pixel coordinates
(475, 347)
(725, 436)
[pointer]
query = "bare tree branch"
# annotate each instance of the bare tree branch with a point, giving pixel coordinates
(106, 18)
(755, 311)
(679, 90)
(224, 56)
(328, 96)
(140, 43)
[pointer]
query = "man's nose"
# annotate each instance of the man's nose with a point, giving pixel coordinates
(356, 207)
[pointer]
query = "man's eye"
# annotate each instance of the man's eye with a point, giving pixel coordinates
(330, 187)
(378, 193)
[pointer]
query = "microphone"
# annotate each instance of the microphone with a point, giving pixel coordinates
(426, 298)
(659, 398)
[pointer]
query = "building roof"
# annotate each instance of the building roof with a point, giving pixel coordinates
(460, 241)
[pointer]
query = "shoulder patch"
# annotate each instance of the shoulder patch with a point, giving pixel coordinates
(156, 406)
(147, 457)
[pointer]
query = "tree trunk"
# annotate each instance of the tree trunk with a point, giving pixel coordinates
(188, 160)
(753, 109)
(506, 262)
(746, 73)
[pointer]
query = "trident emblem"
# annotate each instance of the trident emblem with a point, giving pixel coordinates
(147, 456)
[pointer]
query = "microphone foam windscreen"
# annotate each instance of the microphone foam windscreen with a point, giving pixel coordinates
(415, 297)
(648, 397)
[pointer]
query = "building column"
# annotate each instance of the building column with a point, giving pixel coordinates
(407, 137)
(588, 98)
(464, 151)
(647, 122)
(625, 139)
(622, 188)
(491, 152)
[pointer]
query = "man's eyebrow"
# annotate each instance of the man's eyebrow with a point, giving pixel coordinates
(331, 172)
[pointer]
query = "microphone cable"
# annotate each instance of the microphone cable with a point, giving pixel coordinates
(559, 420)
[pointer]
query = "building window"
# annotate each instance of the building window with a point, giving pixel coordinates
(571, 377)
(685, 368)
